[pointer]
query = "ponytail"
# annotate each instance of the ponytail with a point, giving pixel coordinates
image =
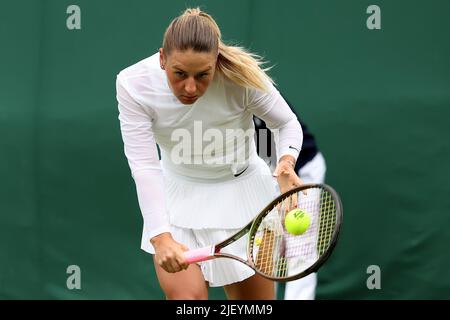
(242, 67)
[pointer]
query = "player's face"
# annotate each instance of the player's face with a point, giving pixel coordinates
(189, 73)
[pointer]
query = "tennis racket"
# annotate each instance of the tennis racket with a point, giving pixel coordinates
(275, 253)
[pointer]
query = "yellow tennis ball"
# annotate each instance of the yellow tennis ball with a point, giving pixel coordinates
(258, 241)
(297, 221)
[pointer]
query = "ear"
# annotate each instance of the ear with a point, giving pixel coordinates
(161, 58)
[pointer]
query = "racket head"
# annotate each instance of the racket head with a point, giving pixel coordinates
(281, 256)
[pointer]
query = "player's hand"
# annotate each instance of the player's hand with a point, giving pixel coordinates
(287, 179)
(169, 254)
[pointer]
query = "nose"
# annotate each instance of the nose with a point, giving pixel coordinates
(190, 86)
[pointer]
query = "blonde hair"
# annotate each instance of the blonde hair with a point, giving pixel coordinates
(197, 30)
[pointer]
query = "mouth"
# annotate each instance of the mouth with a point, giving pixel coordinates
(189, 98)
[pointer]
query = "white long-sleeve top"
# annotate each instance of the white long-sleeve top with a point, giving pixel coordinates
(205, 140)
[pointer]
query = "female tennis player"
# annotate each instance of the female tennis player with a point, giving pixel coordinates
(195, 99)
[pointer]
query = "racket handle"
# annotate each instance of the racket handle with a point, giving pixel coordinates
(198, 255)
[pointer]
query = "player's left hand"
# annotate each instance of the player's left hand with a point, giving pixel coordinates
(287, 178)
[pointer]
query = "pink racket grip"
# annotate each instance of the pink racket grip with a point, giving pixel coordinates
(198, 255)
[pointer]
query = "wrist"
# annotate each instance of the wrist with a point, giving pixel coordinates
(156, 240)
(289, 160)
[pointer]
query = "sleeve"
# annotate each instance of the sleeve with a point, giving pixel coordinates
(279, 118)
(142, 155)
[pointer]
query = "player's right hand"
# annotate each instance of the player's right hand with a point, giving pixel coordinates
(169, 254)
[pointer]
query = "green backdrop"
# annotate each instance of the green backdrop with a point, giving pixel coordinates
(378, 102)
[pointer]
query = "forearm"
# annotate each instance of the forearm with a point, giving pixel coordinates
(288, 140)
(151, 197)
(280, 119)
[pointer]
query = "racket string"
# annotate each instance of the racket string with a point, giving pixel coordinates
(277, 253)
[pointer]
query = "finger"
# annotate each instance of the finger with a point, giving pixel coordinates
(304, 191)
(182, 262)
(300, 183)
(184, 265)
(276, 173)
(181, 258)
(178, 262)
(170, 264)
(166, 267)
(289, 203)
(165, 264)
(279, 171)
(295, 200)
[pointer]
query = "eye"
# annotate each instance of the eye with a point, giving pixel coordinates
(180, 74)
(203, 75)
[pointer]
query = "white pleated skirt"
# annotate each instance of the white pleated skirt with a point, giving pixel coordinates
(205, 212)
(228, 203)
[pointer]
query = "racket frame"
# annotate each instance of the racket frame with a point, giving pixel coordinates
(324, 257)
(214, 251)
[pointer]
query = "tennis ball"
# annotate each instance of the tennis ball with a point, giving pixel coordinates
(297, 221)
(258, 241)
